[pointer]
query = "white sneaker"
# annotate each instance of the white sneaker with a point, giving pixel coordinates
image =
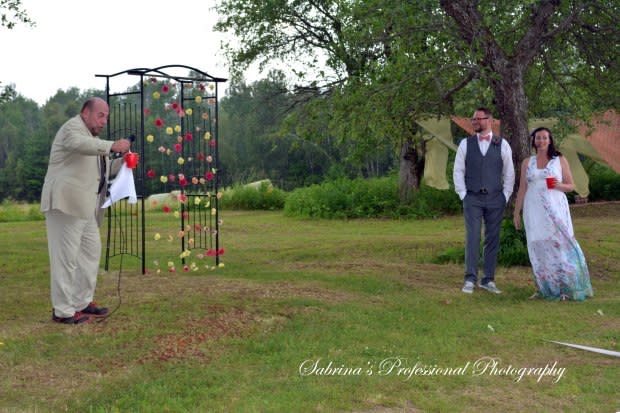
(490, 286)
(468, 287)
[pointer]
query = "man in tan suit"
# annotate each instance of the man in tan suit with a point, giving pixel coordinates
(73, 189)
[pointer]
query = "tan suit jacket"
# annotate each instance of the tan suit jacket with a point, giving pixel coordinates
(73, 173)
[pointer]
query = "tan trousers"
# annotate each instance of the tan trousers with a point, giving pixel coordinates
(74, 249)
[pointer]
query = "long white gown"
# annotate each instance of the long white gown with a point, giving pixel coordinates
(558, 264)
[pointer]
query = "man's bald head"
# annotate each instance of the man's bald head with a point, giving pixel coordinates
(94, 113)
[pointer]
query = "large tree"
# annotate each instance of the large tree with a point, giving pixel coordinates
(503, 43)
(387, 64)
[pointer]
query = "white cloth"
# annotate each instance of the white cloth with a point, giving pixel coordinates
(558, 263)
(508, 170)
(122, 187)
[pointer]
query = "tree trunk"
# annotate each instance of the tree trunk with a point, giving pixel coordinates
(511, 103)
(411, 170)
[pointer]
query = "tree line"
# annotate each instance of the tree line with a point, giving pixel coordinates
(255, 143)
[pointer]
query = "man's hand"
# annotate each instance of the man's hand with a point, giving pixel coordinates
(121, 146)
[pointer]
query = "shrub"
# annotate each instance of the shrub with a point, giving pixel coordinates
(604, 184)
(11, 211)
(368, 198)
(251, 197)
(344, 198)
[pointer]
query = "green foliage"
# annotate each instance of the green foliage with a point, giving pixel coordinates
(512, 246)
(384, 64)
(12, 13)
(604, 184)
(512, 249)
(365, 198)
(251, 197)
(11, 211)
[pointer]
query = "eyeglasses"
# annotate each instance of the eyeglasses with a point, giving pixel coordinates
(478, 119)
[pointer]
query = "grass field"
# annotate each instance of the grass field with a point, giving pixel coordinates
(312, 316)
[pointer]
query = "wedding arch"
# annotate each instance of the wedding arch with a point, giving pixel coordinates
(171, 114)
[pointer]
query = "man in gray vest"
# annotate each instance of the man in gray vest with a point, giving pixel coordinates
(484, 178)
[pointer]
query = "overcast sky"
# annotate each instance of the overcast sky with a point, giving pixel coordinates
(74, 40)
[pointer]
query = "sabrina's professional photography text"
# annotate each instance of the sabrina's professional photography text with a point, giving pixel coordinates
(401, 367)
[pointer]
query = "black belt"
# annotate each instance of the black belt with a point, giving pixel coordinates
(483, 191)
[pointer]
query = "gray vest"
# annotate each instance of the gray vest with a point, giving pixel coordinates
(483, 174)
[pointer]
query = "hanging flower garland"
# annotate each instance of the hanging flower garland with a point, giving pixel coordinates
(176, 154)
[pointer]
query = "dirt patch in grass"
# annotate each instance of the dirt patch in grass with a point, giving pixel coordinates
(195, 336)
(192, 341)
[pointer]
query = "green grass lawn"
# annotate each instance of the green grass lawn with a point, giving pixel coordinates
(312, 316)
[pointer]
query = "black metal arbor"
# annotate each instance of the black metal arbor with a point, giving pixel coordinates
(174, 120)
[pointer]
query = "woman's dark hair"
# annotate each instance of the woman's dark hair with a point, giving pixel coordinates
(551, 151)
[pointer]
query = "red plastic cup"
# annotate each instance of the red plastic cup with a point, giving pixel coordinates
(551, 182)
(131, 159)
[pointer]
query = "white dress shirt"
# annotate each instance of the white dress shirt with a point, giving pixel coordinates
(508, 170)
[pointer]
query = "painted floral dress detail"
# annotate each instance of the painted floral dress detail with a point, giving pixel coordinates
(558, 264)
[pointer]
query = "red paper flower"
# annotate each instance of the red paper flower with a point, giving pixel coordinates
(211, 253)
(200, 156)
(212, 143)
(183, 181)
(171, 178)
(220, 251)
(178, 147)
(189, 136)
(147, 111)
(165, 88)
(150, 173)
(159, 122)
(209, 176)
(166, 209)
(174, 106)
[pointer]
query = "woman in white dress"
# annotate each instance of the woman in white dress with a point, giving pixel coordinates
(558, 264)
